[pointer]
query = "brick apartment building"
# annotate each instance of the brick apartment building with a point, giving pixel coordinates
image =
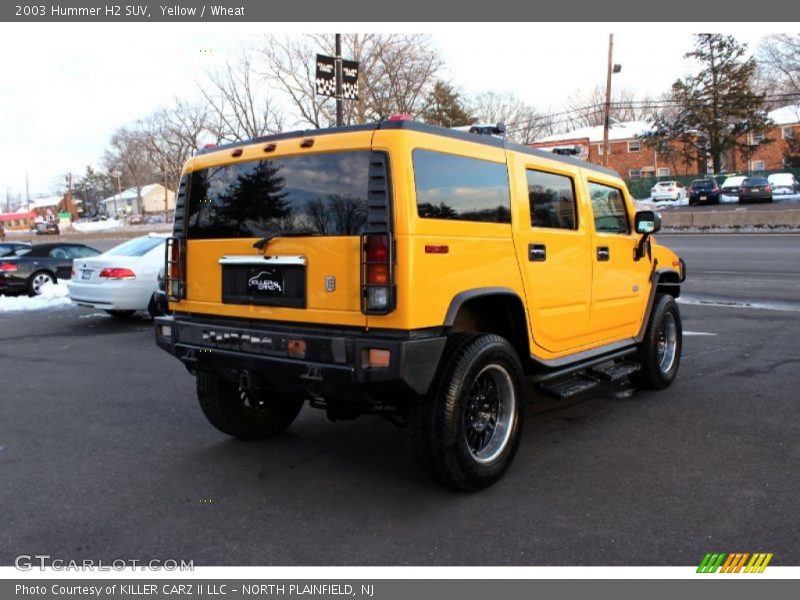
(633, 159)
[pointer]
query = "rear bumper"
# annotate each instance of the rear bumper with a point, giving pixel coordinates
(112, 295)
(332, 365)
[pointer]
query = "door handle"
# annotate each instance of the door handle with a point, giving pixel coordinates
(603, 253)
(537, 252)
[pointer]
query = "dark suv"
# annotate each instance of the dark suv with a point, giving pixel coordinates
(704, 191)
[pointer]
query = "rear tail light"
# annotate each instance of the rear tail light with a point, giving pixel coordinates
(117, 273)
(7, 267)
(716, 189)
(377, 273)
(176, 268)
(768, 189)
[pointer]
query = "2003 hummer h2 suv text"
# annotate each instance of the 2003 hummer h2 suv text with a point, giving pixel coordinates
(414, 272)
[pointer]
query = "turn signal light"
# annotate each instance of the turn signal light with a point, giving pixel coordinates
(117, 273)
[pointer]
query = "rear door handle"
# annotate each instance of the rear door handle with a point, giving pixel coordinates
(603, 253)
(537, 252)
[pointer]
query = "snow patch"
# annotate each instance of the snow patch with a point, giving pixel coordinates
(98, 225)
(53, 295)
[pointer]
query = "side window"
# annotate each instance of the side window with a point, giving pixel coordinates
(460, 188)
(59, 253)
(608, 206)
(552, 200)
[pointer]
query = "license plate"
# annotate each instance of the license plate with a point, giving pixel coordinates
(755, 189)
(86, 274)
(703, 198)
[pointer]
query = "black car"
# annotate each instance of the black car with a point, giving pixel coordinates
(704, 191)
(42, 263)
(755, 189)
(13, 248)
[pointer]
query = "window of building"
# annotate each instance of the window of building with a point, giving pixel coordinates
(663, 146)
(600, 149)
(787, 133)
(608, 206)
(552, 200)
(461, 188)
(635, 174)
(634, 146)
(757, 137)
(663, 171)
(756, 165)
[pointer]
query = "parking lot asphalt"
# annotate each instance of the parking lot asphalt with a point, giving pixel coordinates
(105, 454)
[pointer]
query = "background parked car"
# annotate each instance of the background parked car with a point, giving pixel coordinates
(784, 183)
(48, 228)
(755, 189)
(42, 263)
(731, 185)
(667, 190)
(13, 248)
(704, 191)
(122, 280)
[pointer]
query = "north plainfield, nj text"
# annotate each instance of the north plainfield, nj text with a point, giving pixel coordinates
(139, 10)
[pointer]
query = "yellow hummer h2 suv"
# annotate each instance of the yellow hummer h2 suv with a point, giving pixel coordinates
(413, 272)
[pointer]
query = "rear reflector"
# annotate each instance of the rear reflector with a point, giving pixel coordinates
(377, 358)
(166, 331)
(437, 249)
(117, 273)
(296, 348)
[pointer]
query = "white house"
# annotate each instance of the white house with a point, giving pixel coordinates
(152, 200)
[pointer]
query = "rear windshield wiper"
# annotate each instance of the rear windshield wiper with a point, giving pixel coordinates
(262, 243)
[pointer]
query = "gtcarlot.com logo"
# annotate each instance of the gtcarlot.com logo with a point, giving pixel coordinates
(28, 562)
(735, 562)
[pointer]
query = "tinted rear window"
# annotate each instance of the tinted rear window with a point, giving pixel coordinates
(136, 247)
(319, 194)
(461, 188)
(756, 181)
(703, 183)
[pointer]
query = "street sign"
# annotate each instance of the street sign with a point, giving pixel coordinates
(326, 75)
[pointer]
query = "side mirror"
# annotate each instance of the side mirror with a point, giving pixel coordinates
(647, 222)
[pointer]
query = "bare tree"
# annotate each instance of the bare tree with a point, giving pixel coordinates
(524, 124)
(396, 72)
(173, 134)
(128, 153)
(240, 102)
(778, 59)
(587, 109)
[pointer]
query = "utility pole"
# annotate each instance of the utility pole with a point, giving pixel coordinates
(608, 100)
(27, 193)
(339, 107)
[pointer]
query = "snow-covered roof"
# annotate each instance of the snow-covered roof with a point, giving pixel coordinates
(130, 193)
(617, 131)
(786, 115)
(44, 202)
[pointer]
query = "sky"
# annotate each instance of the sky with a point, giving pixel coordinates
(64, 88)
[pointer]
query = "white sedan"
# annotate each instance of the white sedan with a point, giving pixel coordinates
(121, 280)
(668, 190)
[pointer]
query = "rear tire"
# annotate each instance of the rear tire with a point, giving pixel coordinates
(37, 280)
(121, 314)
(241, 415)
(660, 350)
(466, 431)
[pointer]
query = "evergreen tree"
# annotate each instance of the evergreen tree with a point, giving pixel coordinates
(717, 108)
(445, 107)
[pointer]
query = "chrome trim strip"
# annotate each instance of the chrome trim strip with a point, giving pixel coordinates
(259, 260)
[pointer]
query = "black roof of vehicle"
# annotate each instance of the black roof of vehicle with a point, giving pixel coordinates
(40, 249)
(476, 138)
